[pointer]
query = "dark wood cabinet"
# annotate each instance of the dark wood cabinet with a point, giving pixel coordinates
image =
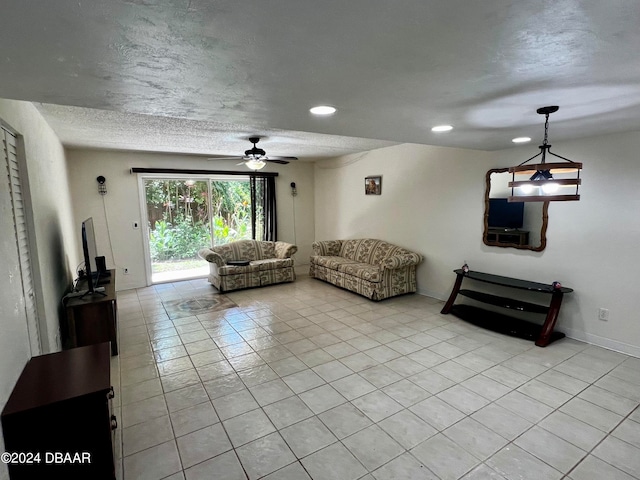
(93, 318)
(60, 409)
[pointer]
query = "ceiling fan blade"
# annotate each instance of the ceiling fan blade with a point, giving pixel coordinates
(282, 158)
(256, 154)
(281, 162)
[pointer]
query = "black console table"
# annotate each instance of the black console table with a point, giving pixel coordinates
(516, 327)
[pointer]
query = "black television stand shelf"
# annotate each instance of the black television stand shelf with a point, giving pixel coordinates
(543, 334)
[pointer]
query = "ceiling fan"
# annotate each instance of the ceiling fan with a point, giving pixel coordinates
(256, 158)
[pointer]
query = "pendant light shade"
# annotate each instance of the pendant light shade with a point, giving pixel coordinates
(545, 182)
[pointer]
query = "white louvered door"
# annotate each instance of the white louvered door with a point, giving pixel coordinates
(9, 147)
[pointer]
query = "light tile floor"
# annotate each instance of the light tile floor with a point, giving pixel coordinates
(306, 380)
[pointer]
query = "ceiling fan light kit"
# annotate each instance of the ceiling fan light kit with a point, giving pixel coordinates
(541, 185)
(256, 158)
(255, 164)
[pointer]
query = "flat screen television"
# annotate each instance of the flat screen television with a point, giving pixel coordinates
(503, 214)
(90, 253)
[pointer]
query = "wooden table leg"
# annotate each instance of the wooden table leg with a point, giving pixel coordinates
(454, 293)
(550, 321)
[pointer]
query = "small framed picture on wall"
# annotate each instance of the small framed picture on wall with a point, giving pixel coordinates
(373, 185)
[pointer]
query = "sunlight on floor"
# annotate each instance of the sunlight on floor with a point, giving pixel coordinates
(162, 277)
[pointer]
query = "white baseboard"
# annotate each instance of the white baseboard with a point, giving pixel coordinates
(579, 335)
(432, 294)
(301, 269)
(603, 342)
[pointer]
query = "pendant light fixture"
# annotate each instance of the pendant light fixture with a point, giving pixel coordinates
(545, 180)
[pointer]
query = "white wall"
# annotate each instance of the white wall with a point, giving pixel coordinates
(432, 202)
(53, 238)
(592, 245)
(122, 204)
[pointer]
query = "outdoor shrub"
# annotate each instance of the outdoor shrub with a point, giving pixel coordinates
(178, 241)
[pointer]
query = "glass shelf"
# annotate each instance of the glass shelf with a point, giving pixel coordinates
(511, 282)
(518, 327)
(505, 302)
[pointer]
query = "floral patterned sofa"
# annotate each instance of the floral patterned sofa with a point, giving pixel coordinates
(372, 268)
(269, 263)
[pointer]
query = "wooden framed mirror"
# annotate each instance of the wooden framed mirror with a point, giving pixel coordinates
(521, 225)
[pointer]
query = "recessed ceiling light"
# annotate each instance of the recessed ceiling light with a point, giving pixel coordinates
(521, 139)
(442, 128)
(323, 110)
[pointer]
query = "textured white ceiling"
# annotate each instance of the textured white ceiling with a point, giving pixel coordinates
(393, 70)
(85, 127)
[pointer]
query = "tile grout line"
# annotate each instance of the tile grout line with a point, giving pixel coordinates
(590, 452)
(408, 378)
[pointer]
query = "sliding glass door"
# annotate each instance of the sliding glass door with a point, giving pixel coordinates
(187, 214)
(231, 208)
(179, 224)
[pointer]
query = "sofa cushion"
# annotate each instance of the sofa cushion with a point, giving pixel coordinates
(273, 263)
(265, 250)
(256, 266)
(241, 250)
(246, 250)
(327, 247)
(364, 271)
(368, 250)
(330, 262)
(237, 269)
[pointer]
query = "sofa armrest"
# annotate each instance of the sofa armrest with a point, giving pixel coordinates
(327, 247)
(285, 250)
(211, 257)
(402, 260)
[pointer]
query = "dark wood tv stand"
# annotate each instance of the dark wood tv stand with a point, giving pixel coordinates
(93, 318)
(509, 325)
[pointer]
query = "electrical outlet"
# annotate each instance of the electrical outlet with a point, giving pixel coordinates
(603, 314)
(125, 271)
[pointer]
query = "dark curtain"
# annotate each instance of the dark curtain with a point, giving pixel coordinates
(263, 208)
(253, 187)
(270, 232)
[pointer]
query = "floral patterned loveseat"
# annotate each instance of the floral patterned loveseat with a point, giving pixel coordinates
(269, 263)
(372, 268)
